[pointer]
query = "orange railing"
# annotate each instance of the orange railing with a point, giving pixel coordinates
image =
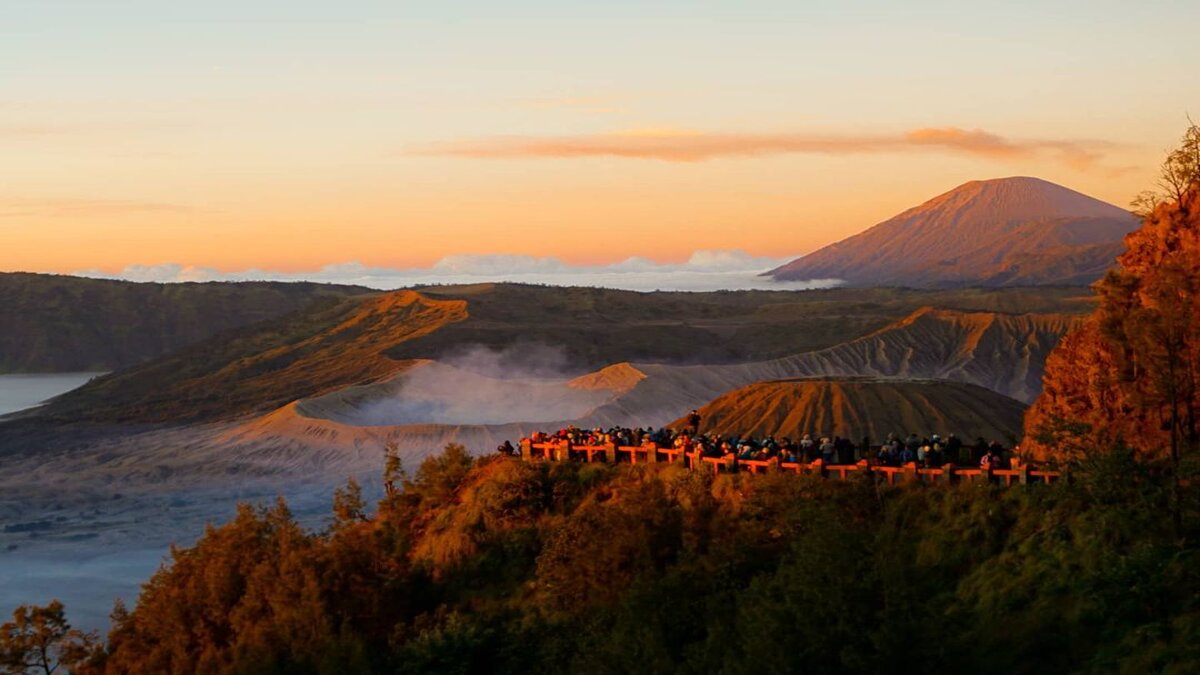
(892, 475)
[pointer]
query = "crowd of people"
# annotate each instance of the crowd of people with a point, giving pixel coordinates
(931, 451)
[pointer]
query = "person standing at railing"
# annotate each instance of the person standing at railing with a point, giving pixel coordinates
(980, 449)
(693, 421)
(934, 458)
(827, 450)
(954, 448)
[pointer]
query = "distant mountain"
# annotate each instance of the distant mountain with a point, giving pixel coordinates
(852, 407)
(58, 323)
(1003, 232)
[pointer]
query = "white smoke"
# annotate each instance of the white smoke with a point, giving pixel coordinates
(526, 382)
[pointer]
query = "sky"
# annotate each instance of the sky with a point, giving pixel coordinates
(221, 139)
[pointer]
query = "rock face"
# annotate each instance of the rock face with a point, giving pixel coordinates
(1129, 373)
(854, 407)
(1002, 352)
(1002, 232)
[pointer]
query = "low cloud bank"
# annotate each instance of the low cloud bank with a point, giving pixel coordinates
(703, 271)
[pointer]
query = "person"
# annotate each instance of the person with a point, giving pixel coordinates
(954, 449)
(996, 455)
(913, 444)
(694, 421)
(980, 449)
(827, 450)
(992, 459)
(934, 458)
(506, 448)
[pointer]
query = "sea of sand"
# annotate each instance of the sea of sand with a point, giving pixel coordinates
(89, 523)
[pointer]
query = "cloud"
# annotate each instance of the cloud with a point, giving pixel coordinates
(82, 207)
(676, 145)
(703, 271)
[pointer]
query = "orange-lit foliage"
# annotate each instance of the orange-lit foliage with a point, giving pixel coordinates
(500, 565)
(1131, 374)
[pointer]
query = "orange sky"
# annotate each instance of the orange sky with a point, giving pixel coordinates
(222, 136)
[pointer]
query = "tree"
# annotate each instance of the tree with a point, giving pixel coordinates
(348, 504)
(40, 640)
(440, 475)
(393, 468)
(1179, 172)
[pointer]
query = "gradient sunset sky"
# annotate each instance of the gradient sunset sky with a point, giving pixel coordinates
(294, 135)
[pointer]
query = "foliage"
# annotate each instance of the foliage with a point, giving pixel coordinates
(500, 565)
(1131, 374)
(40, 640)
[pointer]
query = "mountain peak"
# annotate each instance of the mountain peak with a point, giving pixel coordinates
(1017, 198)
(1001, 231)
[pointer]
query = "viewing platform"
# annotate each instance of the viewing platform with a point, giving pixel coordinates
(562, 451)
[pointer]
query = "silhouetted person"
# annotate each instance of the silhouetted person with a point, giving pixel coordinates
(954, 449)
(980, 449)
(694, 421)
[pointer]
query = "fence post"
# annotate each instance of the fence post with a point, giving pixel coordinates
(910, 473)
(1023, 477)
(864, 468)
(610, 453)
(948, 474)
(818, 467)
(651, 452)
(526, 449)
